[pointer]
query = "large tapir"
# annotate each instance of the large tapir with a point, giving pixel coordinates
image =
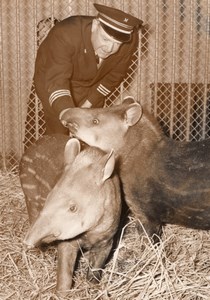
(73, 197)
(164, 181)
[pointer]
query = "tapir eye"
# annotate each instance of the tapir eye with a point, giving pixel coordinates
(73, 208)
(95, 121)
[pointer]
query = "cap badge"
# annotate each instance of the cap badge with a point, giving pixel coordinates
(126, 20)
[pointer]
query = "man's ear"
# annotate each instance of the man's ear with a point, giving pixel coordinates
(95, 23)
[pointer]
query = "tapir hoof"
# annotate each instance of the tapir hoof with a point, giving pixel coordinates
(62, 294)
(153, 231)
(94, 276)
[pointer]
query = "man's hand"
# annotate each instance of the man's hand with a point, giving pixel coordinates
(63, 117)
(86, 104)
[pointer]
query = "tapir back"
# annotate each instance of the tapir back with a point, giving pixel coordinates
(40, 168)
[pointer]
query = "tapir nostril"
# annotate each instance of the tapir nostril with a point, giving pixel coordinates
(72, 126)
(57, 234)
(76, 125)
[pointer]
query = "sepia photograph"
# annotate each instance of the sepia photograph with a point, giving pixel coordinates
(105, 150)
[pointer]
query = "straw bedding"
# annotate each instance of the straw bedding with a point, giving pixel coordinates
(179, 268)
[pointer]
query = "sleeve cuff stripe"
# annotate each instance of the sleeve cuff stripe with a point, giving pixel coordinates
(103, 90)
(57, 94)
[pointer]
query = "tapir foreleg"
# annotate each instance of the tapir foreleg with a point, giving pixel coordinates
(97, 258)
(67, 255)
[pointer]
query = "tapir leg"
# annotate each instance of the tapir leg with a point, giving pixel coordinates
(152, 229)
(97, 259)
(144, 223)
(67, 255)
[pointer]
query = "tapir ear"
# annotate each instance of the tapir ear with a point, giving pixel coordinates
(133, 114)
(109, 163)
(72, 149)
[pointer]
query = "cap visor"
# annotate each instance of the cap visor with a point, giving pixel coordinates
(117, 35)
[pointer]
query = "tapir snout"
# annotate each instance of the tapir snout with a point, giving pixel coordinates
(41, 232)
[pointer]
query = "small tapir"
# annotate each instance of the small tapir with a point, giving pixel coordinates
(164, 181)
(72, 197)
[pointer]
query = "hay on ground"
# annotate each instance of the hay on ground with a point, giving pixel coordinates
(179, 268)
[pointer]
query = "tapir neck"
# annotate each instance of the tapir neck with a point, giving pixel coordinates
(144, 136)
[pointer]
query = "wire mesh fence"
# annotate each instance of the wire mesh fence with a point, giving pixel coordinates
(169, 75)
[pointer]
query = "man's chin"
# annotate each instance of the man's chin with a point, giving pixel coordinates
(104, 56)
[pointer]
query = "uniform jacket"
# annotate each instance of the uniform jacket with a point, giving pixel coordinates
(66, 72)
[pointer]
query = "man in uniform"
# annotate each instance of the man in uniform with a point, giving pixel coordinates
(82, 60)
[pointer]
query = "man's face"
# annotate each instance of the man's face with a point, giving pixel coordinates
(103, 44)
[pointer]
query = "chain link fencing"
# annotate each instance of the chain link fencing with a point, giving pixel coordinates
(169, 75)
